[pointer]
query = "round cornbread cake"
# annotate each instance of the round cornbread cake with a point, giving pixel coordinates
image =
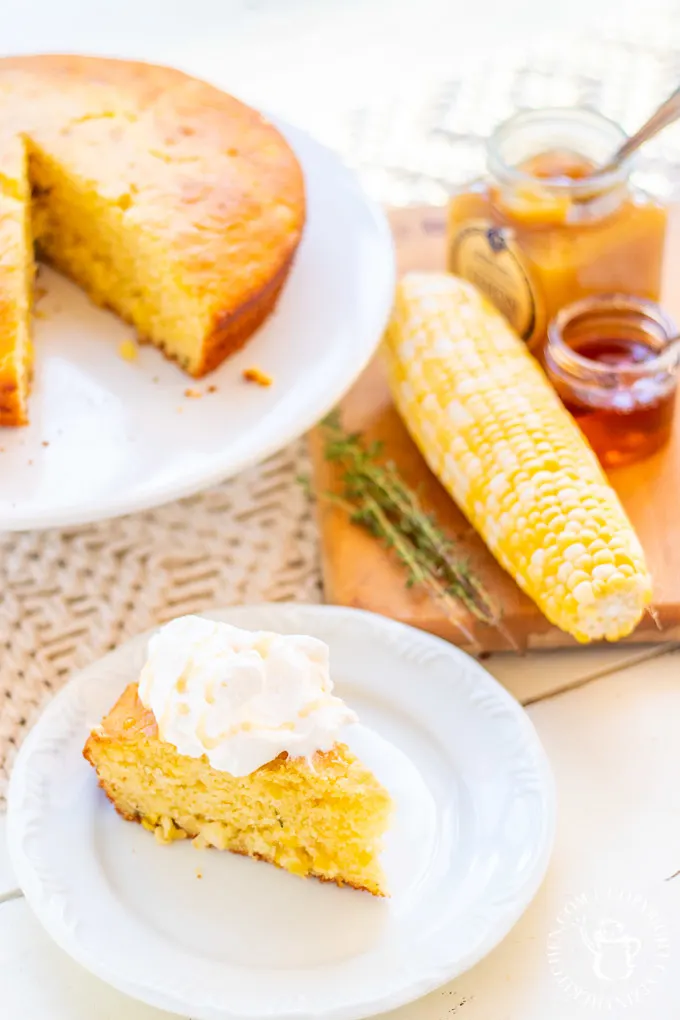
(167, 201)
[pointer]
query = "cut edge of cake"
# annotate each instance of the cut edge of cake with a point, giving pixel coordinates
(17, 271)
(323, 818)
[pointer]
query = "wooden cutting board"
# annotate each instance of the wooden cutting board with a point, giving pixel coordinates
(359, 572)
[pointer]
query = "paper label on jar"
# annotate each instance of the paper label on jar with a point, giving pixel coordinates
(489, 257)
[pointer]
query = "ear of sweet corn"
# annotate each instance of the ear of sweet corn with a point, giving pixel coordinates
(495, 433)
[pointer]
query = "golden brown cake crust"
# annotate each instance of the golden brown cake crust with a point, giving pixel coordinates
(212, 183)
(129, 718)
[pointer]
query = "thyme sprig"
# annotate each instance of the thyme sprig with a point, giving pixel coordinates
(376, 497)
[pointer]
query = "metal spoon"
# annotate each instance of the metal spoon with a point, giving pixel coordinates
(668, 112)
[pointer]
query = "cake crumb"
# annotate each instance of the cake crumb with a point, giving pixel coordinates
(45, 442)
(212, 389)
(192, 394)
(128, 350)
(256, 375)
(199, 874)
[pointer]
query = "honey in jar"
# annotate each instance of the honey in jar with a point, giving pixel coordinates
(544, 229)
(614, 362)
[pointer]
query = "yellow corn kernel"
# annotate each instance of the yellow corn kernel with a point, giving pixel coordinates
(495, 433)
(128, 350)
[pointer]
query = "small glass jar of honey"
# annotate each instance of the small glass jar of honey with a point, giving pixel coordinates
(614, 362)
(544, 228)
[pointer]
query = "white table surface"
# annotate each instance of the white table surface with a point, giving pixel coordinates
(608, 717)
(614, 747)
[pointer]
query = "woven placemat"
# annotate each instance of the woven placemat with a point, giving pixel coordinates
(66, 597)
(70, 596)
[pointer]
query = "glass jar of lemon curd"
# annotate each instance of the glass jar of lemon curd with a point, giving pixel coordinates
(544, 229)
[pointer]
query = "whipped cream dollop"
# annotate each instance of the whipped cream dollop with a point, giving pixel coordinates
(240, 697)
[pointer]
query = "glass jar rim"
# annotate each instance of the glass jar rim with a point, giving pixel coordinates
(568, 359)
(568, 116)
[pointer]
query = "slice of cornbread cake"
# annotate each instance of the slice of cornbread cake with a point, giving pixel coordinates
(230, 738)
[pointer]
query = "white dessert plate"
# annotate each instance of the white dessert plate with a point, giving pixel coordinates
(211, 935)
(109, 437)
